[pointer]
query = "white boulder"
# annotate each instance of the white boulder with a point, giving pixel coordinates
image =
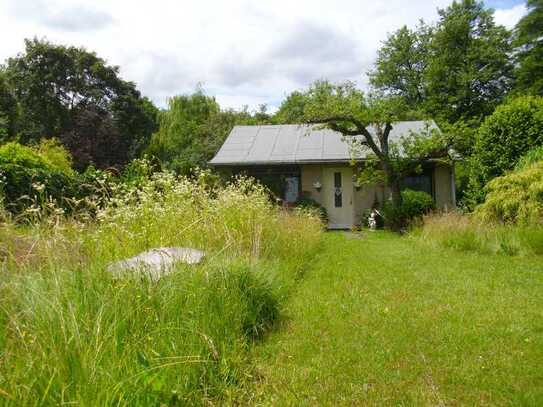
(155, 263)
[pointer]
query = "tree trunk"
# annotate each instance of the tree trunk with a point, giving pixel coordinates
(395, 190)
(393, 182)
(395, 221)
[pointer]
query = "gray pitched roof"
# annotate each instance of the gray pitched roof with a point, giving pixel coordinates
(295, 144)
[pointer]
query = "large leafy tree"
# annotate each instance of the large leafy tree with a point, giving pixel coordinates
(291, 110)
(401, 64)
(367, 123)
(191, 130)
(59, 89)
(8, 110)
(529, 43)
(459, 69)
(92, 138)
(193, 127)
(469, 71)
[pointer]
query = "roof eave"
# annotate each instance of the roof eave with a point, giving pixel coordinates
(295, 162)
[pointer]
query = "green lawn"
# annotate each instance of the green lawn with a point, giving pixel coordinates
(386, 320)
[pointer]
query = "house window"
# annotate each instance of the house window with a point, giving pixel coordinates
(282, 181)
(338, 196)
(422, 182)
(292, 188)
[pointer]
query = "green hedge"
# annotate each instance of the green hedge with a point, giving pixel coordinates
(515, 128)
(33, 177)
(414, 205)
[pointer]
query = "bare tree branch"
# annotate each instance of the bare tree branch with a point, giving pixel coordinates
(360, 130)
(343, 130)
(386, 132)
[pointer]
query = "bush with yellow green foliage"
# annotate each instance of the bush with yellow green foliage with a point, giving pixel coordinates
(515, 198)
(56, 155)
(532, 157)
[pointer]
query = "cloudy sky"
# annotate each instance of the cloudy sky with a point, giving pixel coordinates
(243, 52)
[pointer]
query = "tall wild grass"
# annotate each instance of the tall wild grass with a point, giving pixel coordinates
(466, 233)
(70, 333)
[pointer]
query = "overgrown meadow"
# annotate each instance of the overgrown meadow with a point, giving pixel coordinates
(508, 222)
(468, 234)
(72, 333)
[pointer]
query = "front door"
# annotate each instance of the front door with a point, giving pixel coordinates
(338, 197)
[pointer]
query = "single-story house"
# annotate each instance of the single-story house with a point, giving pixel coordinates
(297, 161)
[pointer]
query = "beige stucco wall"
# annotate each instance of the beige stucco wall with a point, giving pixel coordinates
(366, 196)
(443, 186)
(364, 199)
(310, 175)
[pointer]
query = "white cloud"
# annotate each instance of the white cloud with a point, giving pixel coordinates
(58, 16)
(242, 51)
(510, 17)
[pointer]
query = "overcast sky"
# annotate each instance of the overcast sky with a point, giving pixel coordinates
(243, 52)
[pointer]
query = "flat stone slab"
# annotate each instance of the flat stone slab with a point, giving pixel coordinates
(155, 263)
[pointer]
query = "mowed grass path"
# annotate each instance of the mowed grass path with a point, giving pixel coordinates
(386, 320)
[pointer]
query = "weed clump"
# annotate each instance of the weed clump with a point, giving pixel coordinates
(467, 233)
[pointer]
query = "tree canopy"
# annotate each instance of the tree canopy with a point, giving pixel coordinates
(401, 64)
(188, 132)
(529, 43)
(72, 94)
(8, 110)
(291, 110)
(193, 127)
(469, 72)
(459, 69)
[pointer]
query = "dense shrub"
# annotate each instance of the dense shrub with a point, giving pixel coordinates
(37, 181)
(29, 177)
(515, 198)
(138, 171)
(532, 157)
(54, 153)
(414, 205)
(505, 136)
(311, 204)
(15, 153)
(417, 203)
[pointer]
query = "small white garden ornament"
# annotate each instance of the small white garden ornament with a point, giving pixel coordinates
(372, 219)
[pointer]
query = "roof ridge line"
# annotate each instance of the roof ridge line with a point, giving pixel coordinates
(274, 143)
(322, 144)
(297, 144)
(253, 142)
